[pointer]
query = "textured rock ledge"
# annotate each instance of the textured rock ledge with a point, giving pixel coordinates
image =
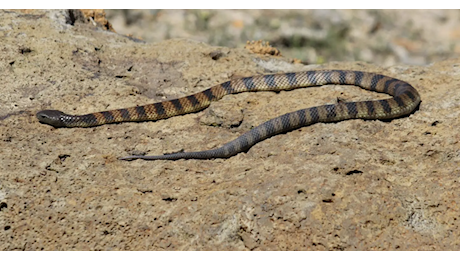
(352, 185)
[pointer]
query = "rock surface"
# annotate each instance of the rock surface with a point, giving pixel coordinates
(352, 185)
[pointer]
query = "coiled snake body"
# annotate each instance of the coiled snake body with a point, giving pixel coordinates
(405, 99)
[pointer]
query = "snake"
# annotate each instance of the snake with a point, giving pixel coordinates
(405, 99)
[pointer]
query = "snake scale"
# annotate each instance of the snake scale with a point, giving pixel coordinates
(405, 99)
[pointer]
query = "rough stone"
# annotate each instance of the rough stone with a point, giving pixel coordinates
(351, 185)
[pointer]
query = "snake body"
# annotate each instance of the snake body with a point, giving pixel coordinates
(405, 99)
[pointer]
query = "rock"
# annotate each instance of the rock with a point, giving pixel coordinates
(351, 185)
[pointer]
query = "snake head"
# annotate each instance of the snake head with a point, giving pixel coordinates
(52, 117)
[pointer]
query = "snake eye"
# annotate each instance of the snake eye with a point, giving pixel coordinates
(42, 116)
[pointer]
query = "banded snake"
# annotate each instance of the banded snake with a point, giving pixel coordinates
(405, 99)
